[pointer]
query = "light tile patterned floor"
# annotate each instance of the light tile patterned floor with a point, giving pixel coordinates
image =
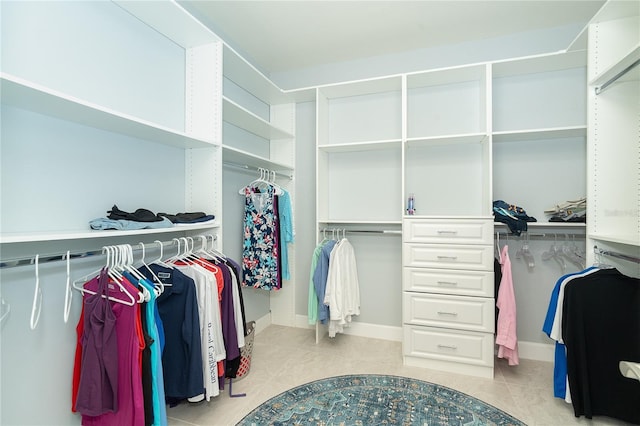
(285, 357)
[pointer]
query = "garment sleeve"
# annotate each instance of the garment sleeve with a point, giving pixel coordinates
(191, 336)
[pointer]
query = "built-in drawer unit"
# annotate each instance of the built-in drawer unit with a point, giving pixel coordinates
(446, 231)
(472, 257)
(449, 345)
(470, 283)
(448, 305)
(458, 312)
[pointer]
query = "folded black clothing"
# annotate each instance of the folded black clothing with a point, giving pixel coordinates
(140, 215)
(190, 217)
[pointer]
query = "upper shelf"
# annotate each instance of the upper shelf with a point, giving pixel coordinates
(243, 158)
(22, 237)
(539, 134)
(23, 94)
(241, 117)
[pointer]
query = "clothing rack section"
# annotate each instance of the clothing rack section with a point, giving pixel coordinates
(248, 168)
(56, 257)
(615, 254)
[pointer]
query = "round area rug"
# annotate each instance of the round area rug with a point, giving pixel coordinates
(375, 400)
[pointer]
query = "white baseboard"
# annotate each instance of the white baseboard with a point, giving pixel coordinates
(373, 331)
(536, 351)
(527, 350)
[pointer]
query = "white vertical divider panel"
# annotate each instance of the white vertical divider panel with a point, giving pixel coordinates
(203, 117)
(403, 152)
(322, 157)
(283, 301)
(487, 150)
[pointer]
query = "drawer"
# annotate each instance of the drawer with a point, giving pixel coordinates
(457, 312)
(448, 231)
(448, 345)
(448, 257)
(469, 283)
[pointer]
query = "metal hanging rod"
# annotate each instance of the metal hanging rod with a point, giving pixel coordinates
(364, 231)
(55, 257)
(249, 168)
(613, 79)
(615, 254)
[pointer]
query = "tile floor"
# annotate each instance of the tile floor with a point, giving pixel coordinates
(285, 357)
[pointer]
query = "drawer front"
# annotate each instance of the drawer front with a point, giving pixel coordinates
(448, 231)
(457, 312)
(448, 345)
(448, 257)
(470, 283)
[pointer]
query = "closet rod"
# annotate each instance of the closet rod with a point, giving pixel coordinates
(21, 261)
(364, 231)
(247, 167)
(616, 254)
(612, 80)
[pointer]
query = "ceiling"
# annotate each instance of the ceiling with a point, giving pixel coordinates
(288, 35)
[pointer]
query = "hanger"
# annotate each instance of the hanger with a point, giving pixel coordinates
(127, 265)
(68, 294)
(272, 181)
(524, 252)
(130, 300)
(159, 260)
(157, 284)
(36, 307)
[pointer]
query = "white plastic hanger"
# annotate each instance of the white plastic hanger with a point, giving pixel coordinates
(36, 307)
(159, 260)
(130, 300)
(68, 294)
(157, 284)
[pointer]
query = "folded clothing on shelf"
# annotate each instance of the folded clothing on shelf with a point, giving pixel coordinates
(513, 216)
(569, 211)
(146, 219)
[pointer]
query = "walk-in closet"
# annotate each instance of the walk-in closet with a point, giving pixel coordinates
(436, 177)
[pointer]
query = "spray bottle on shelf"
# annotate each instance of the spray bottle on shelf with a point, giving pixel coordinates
(411, 209)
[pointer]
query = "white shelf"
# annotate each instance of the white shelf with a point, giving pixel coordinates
(361, 146)
(539, 134)
(360, 222)
(362, 87)
(559, 225)
(621, 239)
(240, 117)
(23, 94)
(15, 237)
(171, 20)
(539, 63)
(447, 76)
(245, 75)
(240, 157)
(462, 139)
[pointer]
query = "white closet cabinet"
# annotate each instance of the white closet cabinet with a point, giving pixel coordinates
(539, 131)
(106, 103)
(456, 139)
(614, 125)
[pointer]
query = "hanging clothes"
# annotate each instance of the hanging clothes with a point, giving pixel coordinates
(342, 293)
(97, 389)
(320, 279)
(130, 343)
(182, 356)
(260, 260)
(506, 337)
(287, 232)
(601, 327)
(313, 299)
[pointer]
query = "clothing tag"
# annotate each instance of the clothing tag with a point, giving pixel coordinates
(164, 275)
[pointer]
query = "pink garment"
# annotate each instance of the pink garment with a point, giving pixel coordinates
(506, 338)
(130, 397)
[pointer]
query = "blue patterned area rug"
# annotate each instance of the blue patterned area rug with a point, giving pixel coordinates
(375, 400)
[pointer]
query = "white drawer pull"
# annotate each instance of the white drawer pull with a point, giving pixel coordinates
(448, 347)
(447, 232)
(455, 314)
(448, 257)
(447, 283)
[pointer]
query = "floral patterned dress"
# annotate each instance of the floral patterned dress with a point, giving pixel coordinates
(260, 243)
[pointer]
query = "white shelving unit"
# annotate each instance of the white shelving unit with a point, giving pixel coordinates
(614, 149)
(83, 130)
